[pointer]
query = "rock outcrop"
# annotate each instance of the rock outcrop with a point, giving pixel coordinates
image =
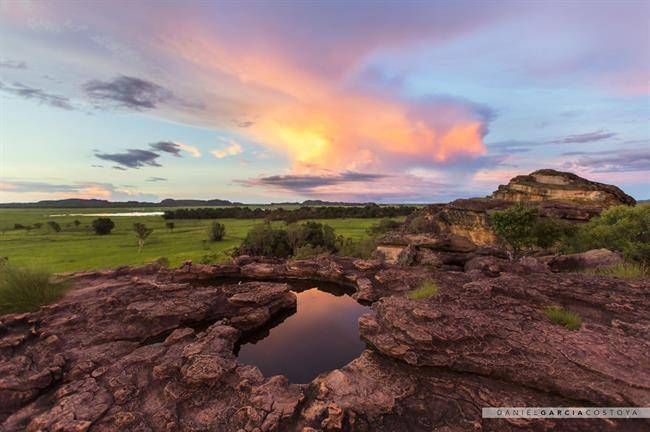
(150, 349)
(552, 185)
(555, 194)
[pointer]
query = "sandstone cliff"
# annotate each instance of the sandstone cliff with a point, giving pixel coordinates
(552, 185)
(555, 194)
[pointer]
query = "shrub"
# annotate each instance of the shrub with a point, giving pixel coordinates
(141, 232)
(23, 289)
(419, 224)
(547, 233)
(216, 232)
(37, 225)
(621, 228)
(626, 270)
(264, 240)
(170, 226)
(309, 251)
(559, 315)
(54, 226)
(162, 262)
(427, 289)
(515, 226)
(103, 226)
(76, 222)
(383, 226)
(363, 248)
(313, 234)
(19, 226)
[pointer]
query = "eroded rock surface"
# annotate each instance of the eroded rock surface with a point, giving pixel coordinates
(150, 349)
(555, 194)
(549, 184)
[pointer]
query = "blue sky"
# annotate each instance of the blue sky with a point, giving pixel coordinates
(261, 102)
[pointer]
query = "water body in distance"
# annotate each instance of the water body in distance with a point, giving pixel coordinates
(322, 334)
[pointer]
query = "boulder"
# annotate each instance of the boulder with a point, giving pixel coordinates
(591, 260)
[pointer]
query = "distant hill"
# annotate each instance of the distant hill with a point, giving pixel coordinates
(96, 203)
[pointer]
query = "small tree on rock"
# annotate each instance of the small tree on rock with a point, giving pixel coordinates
(103, 226)
(515, 226)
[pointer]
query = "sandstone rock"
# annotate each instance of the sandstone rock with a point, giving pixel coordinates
(591, 260)
(548, 184)
(497, 328)
(144, 351)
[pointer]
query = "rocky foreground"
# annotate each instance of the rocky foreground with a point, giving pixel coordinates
(151, 349)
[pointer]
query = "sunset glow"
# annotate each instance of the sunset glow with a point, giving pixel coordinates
(211, 98)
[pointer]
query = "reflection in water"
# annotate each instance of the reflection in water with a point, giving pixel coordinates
(321, 335)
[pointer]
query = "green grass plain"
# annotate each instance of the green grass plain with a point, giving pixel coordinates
(79, 248)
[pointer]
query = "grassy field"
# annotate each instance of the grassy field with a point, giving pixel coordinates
(79, 248)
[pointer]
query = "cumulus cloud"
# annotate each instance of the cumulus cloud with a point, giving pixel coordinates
(175, 148)
(133, 158)
(626, 160)
(598, 135)
(128, 92)
(38, 95)
(232, 149)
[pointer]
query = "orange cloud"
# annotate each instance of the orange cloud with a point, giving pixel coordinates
(316, 122)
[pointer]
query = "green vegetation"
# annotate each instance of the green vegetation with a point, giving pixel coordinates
(626, 270)
(141, 232)
(291, 215)
(419, 224)
(54, 226)
(521, 228)
(355, 248)
(24, 289)
(559, 315)
(103, 226)
(384, 225)
(170, 226)
(427, 289)
(622, 228)
(303, 240)
(216, 232)
(78, 248)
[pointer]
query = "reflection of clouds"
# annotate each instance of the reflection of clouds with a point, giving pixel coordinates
(321, 335)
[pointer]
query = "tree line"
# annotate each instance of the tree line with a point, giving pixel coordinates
(305, 212)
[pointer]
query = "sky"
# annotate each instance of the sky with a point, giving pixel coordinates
(257, 102)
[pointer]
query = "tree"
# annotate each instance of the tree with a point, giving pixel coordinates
(170, 226)
(216, 232)
(54, 226)
(419, 224)
(621, 228)
(384, 225)
(103, 226)
(264, 240)
(141, 232)
(515, 226)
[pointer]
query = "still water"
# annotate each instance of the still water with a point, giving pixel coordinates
(321, 335)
